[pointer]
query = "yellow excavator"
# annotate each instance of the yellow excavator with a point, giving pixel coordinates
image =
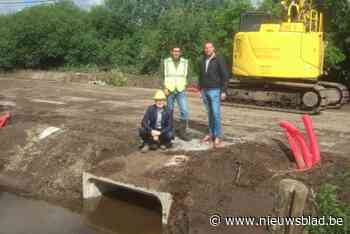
(278, 65)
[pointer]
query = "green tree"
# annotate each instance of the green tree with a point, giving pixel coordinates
(337, 29)
(131, 35)
(7, 45)
(51, 35)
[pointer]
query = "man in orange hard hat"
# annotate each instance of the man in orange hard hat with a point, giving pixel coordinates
(156, 126)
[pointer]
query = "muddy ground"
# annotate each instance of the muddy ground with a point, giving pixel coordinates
(99, 130)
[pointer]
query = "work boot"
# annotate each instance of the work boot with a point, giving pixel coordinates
(145, 148)
(182, 131)
(168, 145)
(154, 146)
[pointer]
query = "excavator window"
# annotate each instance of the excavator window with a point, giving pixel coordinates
(251, 21)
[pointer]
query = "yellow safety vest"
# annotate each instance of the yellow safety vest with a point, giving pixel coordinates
(175, 78)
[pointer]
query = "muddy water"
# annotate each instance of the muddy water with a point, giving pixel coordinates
(130, 213)
(24, 216)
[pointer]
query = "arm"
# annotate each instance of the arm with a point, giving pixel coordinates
(200, 75)
(224, 74)
(146, 121)
(162, 76)
(189, 72)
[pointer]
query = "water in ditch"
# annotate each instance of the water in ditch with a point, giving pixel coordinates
(20, 215)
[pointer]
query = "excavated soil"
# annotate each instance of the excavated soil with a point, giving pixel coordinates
(240, 180)
(51, 168)
(99, 125)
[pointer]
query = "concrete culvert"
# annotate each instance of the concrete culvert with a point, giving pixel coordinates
(95, 189)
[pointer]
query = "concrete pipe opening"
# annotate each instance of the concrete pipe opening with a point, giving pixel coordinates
(131, 201)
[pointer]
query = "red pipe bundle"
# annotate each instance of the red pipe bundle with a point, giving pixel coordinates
(306, 155)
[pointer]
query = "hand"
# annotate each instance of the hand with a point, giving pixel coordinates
(156, 138)
(223, 96)
(166, 92)
(155, 133)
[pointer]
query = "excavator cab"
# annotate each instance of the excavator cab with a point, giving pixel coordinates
(251, 21)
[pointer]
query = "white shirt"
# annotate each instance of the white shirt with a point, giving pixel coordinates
(159, 118)
(207, 61)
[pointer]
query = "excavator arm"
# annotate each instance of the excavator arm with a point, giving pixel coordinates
(303, 11)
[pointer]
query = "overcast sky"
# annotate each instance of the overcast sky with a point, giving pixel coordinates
(9, 6)
(88, 3)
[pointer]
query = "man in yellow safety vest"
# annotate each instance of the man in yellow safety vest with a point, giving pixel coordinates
(175, 73)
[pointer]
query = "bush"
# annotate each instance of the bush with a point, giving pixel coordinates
(329, 205)
(116, 78)
(48, 36)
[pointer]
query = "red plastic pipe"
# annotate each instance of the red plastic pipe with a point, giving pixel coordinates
(291, 133)
(315, 151)
(307, 156)
(298, 157)
(4, 119)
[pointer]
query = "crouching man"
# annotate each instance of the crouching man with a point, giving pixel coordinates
(156, 127)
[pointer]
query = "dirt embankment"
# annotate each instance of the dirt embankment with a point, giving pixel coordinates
(241, 180)
(51, 168)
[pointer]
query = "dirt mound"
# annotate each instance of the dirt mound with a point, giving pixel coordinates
(240, 180)
(52, 167)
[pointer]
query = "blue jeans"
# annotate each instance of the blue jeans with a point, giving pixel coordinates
(181, 99)
(212, 102)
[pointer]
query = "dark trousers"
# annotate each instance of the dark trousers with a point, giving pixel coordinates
(164, 138)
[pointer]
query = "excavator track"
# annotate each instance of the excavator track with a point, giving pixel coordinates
(280, 96)
(337, 94)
